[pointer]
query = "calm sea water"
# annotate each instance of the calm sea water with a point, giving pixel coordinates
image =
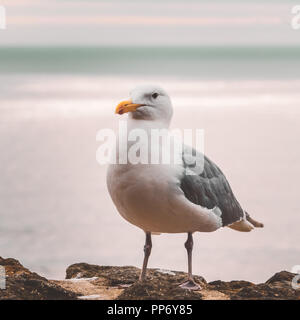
(55, 209)
(207, 63)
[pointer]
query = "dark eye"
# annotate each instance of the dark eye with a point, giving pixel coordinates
(154, 95)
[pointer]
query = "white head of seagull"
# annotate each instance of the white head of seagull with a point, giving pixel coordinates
(148, 102)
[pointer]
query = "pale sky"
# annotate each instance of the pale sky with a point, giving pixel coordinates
(148, 23)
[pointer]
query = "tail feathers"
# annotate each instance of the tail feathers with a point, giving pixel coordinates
(246, 224)
(242, 225)
(254, 222)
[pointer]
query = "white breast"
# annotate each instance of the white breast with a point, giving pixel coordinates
(149, 196)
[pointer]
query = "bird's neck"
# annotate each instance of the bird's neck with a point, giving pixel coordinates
(147, 124)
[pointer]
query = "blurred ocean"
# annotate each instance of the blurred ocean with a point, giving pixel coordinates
(202, 62)
(54, 206)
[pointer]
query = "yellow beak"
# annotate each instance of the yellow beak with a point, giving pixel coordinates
(126, 106)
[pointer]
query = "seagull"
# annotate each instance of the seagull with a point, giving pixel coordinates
(167, 198)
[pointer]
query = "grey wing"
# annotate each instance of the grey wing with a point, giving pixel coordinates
(210, 189)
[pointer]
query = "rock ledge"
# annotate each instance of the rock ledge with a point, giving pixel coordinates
(92, 282)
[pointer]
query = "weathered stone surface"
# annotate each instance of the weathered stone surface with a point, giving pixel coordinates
(93, 282)
(165, 284)
(21, 284)
(229, 286)
(111, 276)
(266, 292)
(283, 278)
(277, 287)
(160, 284)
